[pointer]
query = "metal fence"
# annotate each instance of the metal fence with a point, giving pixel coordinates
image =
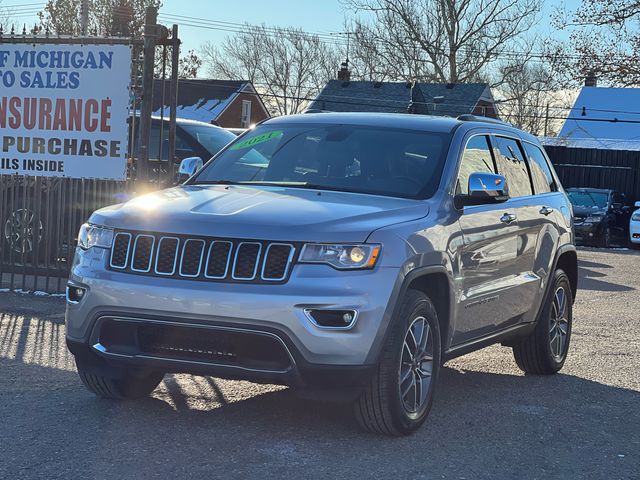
(598, 168)
(39, 222)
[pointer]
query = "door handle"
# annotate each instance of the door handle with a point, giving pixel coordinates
(546, 211)
(508, 218)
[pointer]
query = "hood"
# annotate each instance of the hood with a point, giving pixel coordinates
(268, 213)
(582, 211)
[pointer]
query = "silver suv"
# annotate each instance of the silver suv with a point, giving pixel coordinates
(348, 255)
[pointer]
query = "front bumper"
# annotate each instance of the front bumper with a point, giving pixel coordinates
(276, 309)
(588, 233)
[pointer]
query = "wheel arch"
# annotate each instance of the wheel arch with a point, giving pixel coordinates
(567, 260)
(434, 281)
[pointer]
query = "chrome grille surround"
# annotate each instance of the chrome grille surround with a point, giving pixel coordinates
(202, 258)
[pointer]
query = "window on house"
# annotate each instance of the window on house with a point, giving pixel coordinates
(245, 119)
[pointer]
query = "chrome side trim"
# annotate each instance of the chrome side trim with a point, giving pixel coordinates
(292, 251)
(175, 258)
(101, 349)
(255, 267)
(126, 259)
(135, 243)
(307, 313)
(226, 269)
(186, 242)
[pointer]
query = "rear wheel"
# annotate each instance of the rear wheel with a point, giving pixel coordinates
(120, 386)
(399, 395)
(544, 351)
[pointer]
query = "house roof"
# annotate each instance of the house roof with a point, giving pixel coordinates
(600, 116)
(395, 97)
(202, 100)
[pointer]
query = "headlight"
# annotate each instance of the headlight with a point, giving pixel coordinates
(593, 219)
(341, 256)
(636, 217)
(94, 236)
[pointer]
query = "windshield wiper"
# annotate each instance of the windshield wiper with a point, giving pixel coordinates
(216, 182)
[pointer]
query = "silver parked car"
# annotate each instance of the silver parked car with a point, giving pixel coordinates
(341, 254)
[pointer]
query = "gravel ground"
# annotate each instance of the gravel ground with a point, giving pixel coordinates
(488, 419)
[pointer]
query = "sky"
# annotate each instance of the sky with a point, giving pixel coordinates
(318, 16)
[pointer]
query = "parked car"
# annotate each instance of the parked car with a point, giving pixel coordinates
(634, 227)
(24, 218)
(600, 216)
(344, 254)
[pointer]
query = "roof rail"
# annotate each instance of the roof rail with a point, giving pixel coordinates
(467, 117)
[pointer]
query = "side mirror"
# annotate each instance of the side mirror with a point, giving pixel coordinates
(189, 166)
(484, 188)
(616, 206)
(637, 204)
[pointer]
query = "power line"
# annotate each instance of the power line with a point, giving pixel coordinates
(245, 28)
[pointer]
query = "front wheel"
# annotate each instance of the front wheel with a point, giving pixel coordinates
(399, 395)
(544, 351)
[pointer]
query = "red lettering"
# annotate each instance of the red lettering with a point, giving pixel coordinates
(90, 109)
(60, 115)
(14, 105)
(75, 115)
(105, 116)
(44, 121)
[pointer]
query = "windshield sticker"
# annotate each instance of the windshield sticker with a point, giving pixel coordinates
(251, 142)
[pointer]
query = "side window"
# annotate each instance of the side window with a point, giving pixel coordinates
(475, 158)
(540, 172)
(513, 166)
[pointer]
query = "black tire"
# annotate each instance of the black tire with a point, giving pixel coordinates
(535, 354)
(122, 386)
(381, 407)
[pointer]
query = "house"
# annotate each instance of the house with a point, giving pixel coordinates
(599, 143)
(452, 99)
(603, 118)
(226, 103)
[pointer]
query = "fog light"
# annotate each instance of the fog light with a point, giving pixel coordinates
(75, 294)
(335, 319)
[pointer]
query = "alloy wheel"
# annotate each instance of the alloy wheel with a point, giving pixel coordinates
(559, 324)
(416, 366)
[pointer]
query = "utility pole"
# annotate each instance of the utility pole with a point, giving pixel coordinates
(173, 95)
(150, 34)
(84, 17)
(546, 120)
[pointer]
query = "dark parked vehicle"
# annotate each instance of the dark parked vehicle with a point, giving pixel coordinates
(343, 254)
(601, 217)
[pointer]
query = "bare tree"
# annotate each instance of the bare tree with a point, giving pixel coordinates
(449, 41)
(124, 17)
(531, 97)
(285, 64)
(5, 16)
(604, 39)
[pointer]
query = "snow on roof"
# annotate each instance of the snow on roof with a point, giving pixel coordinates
(598, 143)
(202, 100)
(602, 116)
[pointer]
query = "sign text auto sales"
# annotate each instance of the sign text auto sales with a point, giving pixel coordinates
(64, 109)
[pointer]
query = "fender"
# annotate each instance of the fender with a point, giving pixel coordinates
(391, 312)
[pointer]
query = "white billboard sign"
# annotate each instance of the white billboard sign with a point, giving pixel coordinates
(64, 110)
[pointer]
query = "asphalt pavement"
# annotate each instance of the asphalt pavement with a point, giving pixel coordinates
(488, 419)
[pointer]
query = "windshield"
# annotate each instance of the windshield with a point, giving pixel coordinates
(382, 161)
(588, 199)
(211, 138)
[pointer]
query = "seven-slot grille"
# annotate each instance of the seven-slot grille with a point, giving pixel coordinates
(209, 259)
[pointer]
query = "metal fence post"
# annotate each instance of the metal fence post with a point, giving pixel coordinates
(150, 34)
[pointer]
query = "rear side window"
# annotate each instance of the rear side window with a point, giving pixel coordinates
(513, 166)
(476, 157)
(540, 172)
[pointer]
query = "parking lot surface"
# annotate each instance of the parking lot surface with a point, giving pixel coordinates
(488, 419)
